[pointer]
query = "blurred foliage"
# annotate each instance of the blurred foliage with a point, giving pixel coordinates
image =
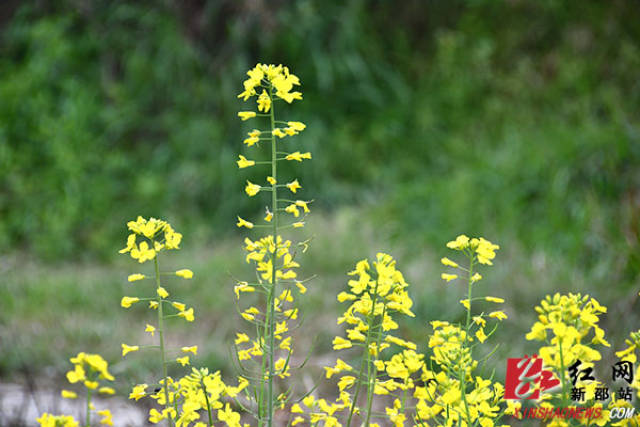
(516, 117)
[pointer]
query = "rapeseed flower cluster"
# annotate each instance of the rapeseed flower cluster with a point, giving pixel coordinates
(568, 326)
(452, 394)
(267, 356)
(90, 370)
(48, 420)
(204, 391)
(377, 295)
(443, 390)
(192, 395)
(156, 236)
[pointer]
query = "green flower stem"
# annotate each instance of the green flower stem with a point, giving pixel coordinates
(263, 369)
(564, 387)
(365, 357)
(370, 380)
(206, 398)
(167, 404)
(359, 381)
(462, 371)
(374, 377)
(469, 290)
(274, 255)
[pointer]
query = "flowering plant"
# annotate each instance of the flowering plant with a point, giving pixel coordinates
(381, 376)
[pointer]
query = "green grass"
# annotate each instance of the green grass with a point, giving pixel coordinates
(48, 313)
(448, 120)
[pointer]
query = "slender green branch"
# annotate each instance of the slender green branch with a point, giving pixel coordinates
(469, 296)
(206, 398)
(462, 370)
(366, 355)
(372, 378)
(562, 378)
(274, 255)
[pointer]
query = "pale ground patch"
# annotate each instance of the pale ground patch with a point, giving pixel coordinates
(21, 407)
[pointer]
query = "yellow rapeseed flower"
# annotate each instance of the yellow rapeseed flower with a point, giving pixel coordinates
(244, 223)
(460, 243)
(292, 209)
(486, 251)
(67, 394)
(127, 301)
(340, 343)
(500, 315)
(449, 263)
(78, 374)
(187, 315)
(298, 156)
(241, 338)
(301, 288)
(251, 140)
(297, 126)
(246, 115)
(178, 306)
(129, 349)
(264, 102)
(143, 252)
(106, 417)
(151, 329)
(91, 384)
(185, 273)
(193, 349)
(479, 320)
(244, 163)
(252, 189)
(135, 277)
(294, 186)
(138, 391)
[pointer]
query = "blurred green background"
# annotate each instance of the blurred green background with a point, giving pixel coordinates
(517, 120)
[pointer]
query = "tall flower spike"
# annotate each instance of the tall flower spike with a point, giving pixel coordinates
(272, 256)
(568, 328)
(148, 238)
(453, 394)
(375, 296)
